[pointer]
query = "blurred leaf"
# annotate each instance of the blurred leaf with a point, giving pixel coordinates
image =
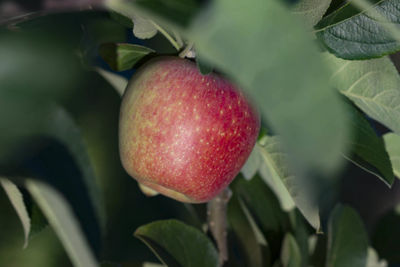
(63, 163)
(243, 229)
(143, 28)
(373, 86)
(373, 259)
(347, 239)
(368, 150)
(386, 236)
(351, 34)
(16, 199)
(123, 20)
(62, 219)
(117, 81)
(177, 244)
(392, 143)
(203, 66)
(311, 10)
(290, 255)
(288, 187)
(122, 57)
(270, 218)
(261, 64)
(150, 264)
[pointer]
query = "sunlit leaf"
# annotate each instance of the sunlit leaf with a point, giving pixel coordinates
(392, 143)
(311, 10)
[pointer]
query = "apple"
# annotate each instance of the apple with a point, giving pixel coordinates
(184, 134)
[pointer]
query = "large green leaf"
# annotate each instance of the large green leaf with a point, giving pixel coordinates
(243, 229)
(372, 85)
(290, 255)
(62, 219)
(347, 239)
(392, 143)
(177, 244)
(261, 58)
(122, 57)
(311, 10)
(351, 34)
(386, 236)
(368, 150)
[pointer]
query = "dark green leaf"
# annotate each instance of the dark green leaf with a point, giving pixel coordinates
(177, 244)
(244, 232)
(368, 150)
(122, 57)
(372, 85)
(351, 34)
(260, 58)
(121, 19)
(347, 239)
(290, 254)
(386, 236)
(392, 143)
(300, 231)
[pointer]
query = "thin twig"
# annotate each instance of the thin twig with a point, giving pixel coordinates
(217, 222)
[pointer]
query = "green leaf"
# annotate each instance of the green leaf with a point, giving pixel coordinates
(177, 244)
(311, 10)
(62, 219)
(121, 19)
(373, 259)
(300, 231)
(246, 236)
(290, 254)
(17, 201)
(351, 34)
(260, 58)
(386, 236)
(392, 143)
(271, 220)
(203, 66)
(122, 57)
(347, 239)
(368, 150)
(290, 189)
(372, 85)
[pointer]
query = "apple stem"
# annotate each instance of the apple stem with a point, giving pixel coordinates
(217, 222)
(186, 50)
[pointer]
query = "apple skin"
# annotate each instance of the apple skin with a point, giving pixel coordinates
(184, 134)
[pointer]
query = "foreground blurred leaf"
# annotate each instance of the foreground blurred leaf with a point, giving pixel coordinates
(347, 239)
(386, 236)
(260, 59)
(16, 199)
(368, 150)
(177, 244)
(351, 34)
(62, 219)
(244, 232)
(290, 255)
(392, 143)
(311, 10)
(122, 57)
(373, 86)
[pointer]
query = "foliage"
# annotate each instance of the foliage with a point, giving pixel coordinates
(319, 73)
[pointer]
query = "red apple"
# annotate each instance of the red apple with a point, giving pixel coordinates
(183, 134)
